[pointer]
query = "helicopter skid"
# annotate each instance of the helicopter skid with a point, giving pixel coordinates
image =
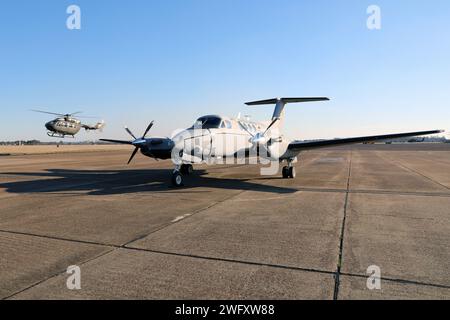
(58, 135)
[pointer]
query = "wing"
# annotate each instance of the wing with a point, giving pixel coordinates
(300, 146)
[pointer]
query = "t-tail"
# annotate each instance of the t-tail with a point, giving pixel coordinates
(280, 103)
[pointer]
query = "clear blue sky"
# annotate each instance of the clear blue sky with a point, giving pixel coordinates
(173, 61)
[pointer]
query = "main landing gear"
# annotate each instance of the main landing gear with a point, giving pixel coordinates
(180, 170)
(288, 171)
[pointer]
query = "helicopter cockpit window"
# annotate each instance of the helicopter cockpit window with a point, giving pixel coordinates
(208, 122)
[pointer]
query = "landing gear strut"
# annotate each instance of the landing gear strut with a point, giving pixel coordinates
(186, 169)
(180, 170)
(289, 171)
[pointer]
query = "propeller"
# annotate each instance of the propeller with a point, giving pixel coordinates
(137, 142)
(260, 138)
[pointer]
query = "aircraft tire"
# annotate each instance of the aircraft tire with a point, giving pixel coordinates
(285, 172)
(177, 179)
(292, 173)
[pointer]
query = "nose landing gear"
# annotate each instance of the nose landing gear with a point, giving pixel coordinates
(180, 170)
(186, 169)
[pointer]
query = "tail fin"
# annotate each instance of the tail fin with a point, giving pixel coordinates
(281, 102)
(98, 126)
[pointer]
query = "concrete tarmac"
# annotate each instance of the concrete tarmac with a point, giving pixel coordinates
(230, 233)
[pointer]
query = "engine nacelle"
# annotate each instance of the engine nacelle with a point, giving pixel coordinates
(276, 148)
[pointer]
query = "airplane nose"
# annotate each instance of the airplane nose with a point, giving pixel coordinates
(48, 125)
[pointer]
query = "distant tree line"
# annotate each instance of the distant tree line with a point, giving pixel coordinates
(40, 143)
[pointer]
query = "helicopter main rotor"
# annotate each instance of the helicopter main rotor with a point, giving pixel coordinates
(66, 116)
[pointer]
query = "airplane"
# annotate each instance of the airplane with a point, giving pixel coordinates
(66, 125)
(214, 138)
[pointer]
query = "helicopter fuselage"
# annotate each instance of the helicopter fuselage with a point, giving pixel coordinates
(61, 127)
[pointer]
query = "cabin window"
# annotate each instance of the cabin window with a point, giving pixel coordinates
(228, 124)
(223, 125)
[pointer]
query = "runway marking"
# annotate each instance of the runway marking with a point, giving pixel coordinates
(179, 218)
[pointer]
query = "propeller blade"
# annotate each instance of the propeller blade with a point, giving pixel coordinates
(130, 133)
(242, 126)
(148, 129)
(117, 141)
(270, 126)
(133, 154)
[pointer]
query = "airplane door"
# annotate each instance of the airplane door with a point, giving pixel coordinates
(206, 142)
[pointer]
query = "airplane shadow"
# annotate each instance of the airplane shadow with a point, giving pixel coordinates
(110, 182)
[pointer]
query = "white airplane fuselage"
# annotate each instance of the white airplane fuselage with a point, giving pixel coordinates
(222, 137)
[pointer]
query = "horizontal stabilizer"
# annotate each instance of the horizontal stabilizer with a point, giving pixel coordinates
(286, 100)
(281, 102)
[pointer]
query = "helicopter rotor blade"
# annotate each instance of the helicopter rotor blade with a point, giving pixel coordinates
(130, 133)
(87, 117)
(133, 154)
(53, 113)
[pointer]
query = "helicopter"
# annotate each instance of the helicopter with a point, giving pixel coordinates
(66, 125)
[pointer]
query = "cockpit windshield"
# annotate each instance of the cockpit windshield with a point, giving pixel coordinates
(208, 122)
